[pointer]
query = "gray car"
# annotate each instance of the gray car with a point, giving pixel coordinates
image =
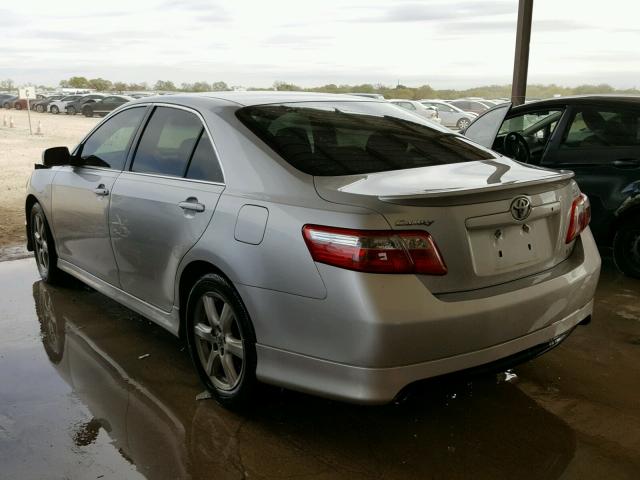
(450, 115)
(332, 245)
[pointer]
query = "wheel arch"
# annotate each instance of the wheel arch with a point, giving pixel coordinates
(190, 274)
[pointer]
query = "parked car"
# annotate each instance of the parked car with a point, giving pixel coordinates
(7, 102)
(450, 115)
(58, 106)
(473, 106)
(342, 247)
(42, 105)
(105, 105)
(76, 106)
(21, 103)
(417, 108)
(377, 96)
(598, 138)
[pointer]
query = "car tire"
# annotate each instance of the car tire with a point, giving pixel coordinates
(463, 123)
(87, 112)
(221, 341)
(54, 109)
(17, 106)
(40, 108)
(71, 111)
(626, 248)
(6, 105)
(44, 247)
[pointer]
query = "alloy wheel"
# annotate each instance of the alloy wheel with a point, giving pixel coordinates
(219, 341)
(41, 246)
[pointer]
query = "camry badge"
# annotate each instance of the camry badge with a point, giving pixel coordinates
(520, 208)
(408, 223)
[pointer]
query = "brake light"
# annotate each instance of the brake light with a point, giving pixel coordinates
(580, 217)
(375, 251)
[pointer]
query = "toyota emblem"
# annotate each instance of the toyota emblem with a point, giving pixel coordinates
(520, 208)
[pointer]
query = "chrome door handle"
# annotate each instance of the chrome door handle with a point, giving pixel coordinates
(101, 190)
(192, 204)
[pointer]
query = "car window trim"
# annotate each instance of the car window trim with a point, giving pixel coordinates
(79, 148)
(145, 121)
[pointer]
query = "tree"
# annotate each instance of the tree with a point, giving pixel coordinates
(137, 86)
(286, 87)
(78, 82)
(165, 86)
(100, 84)
(7, 84)
(219, 87)
(119, 86)
(201, 87)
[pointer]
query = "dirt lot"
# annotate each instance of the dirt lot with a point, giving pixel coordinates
(19, 151)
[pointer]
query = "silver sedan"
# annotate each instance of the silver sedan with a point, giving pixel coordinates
(333, 245)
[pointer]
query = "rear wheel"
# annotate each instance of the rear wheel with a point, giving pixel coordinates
(463, 123)
(71, 111)
(40, 108)
(221, 340)
(18, 106)
(626, 248)
(43, 246)
(55, 109)
(87, 112)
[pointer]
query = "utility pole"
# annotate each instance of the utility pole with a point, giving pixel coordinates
(521, 60)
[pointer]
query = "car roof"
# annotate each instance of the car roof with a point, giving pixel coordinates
(582, 100)
(253, 98)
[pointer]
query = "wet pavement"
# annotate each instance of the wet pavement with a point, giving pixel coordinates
(89, 389)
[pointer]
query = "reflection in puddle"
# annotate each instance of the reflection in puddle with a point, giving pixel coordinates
(148, 411)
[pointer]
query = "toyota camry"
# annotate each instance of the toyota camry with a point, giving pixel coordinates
(337, 246)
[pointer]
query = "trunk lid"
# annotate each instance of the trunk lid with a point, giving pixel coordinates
(494, 221)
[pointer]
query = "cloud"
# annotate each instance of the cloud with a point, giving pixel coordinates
(420, 12)
(200, 10)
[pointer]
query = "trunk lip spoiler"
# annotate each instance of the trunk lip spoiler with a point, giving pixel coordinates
(563, 175)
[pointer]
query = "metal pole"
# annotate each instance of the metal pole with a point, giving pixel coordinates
(521, 60)
(29, 115)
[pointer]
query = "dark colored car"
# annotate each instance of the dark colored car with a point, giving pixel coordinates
(7, 102)
(106, 105)
(595, 136)
(21, 103)
(77, 105)
(41, 105)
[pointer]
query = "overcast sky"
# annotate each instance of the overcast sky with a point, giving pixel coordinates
(444, 43)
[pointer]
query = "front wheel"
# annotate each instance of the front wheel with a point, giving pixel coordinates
(43, 246)
(87, 112)
(18, 106)
(55, 109)
(626, 249)
(71, 111)
(463, 123)
(221, 340)
(40, 108)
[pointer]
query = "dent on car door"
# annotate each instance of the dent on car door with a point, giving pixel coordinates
(161, 207)
(81, 195)
(601, 145)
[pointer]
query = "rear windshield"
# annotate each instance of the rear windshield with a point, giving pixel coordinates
(346, 138)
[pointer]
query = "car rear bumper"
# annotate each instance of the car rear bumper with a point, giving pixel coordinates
(371, 336)
(381, 385)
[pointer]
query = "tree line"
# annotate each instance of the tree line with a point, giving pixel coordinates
(398, 91)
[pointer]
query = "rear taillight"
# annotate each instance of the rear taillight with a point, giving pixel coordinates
(375, 251)
(580, 217)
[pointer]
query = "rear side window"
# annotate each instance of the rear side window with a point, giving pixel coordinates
(204, 164)
(108, 145)
(167, 142)
(344, 138)
(603, 127)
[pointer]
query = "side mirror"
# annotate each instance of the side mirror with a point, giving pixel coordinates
(54, 156)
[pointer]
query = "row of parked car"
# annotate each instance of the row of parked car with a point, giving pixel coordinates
(87, 104)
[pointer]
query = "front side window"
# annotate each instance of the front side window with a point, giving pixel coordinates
(603, 127)
(108, 145)
(343, 138)
(167, 143)
(535, 128)
(443, 107)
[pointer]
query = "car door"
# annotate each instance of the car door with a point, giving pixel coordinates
(81, 195)
(161, 206)
(601, 145)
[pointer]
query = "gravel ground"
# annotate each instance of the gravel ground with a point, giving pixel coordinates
(19, 151)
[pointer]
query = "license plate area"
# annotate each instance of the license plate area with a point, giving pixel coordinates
(499, 244)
